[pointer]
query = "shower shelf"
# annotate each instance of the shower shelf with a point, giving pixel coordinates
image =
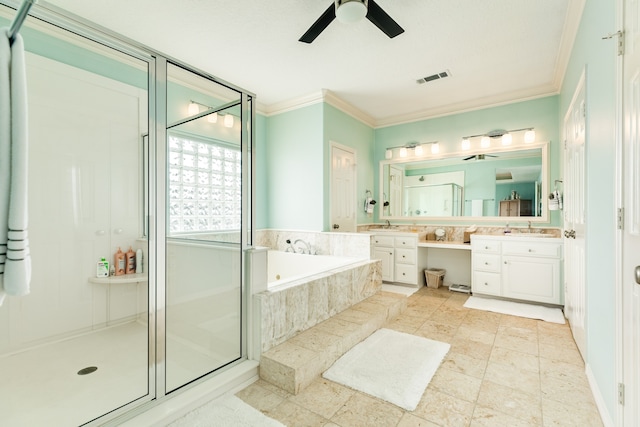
(126, 278)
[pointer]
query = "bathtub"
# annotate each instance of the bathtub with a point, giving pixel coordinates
(304, 290)
(287, 268)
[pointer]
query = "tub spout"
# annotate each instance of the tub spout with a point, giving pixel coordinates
(306, 249)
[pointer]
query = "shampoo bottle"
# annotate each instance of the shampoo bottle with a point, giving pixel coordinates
(102, 268)
(119, 262)
(130, 261)
(139, 261)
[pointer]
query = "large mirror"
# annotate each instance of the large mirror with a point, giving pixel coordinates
(494, 184)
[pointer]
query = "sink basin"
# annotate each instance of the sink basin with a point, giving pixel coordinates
(534, 235)
(384, 229)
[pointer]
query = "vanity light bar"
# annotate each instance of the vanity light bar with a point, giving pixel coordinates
(418, 149)
(507, 138)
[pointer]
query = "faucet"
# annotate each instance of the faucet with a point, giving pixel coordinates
(290, 248)
(529, 226)
(306, 245)
(388, 224)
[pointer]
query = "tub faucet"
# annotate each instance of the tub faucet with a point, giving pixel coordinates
(290, 248)
(306, 245)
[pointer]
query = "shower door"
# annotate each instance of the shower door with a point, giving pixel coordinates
(77, 346)
(204, 189)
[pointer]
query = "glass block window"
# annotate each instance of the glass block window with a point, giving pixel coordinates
(205, 185)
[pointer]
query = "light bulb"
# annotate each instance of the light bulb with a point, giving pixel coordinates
(403, 152)
(228, 121)
(419, 151)
(435, 148)
(485, 142)
(212, 118)
(193, 109)
(506, 139)
(388, 154)
(466, 144)
(529, 136)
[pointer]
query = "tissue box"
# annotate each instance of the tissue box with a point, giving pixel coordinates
(467, 236)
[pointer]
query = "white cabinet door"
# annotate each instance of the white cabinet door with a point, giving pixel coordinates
(531, 279)
(385, 255)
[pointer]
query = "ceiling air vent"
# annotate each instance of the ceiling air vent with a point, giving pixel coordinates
(432, 77)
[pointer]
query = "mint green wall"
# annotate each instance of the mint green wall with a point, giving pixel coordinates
(342, 128)
(542, 114)
(295, 172)
(261, 167)
(599, 58)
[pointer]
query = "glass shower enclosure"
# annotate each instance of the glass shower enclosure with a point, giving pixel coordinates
(129, 151)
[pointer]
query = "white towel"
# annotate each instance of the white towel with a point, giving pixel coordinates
(15, 261)
(476, 207)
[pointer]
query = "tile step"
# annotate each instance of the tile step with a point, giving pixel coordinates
(295, 363)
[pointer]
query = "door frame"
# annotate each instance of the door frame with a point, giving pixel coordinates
(332, 145)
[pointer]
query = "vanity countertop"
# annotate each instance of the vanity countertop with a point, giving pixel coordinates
(520, 237)
(444, 244)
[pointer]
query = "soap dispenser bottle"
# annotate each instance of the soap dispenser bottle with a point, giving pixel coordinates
(130, 261)
(119, 262)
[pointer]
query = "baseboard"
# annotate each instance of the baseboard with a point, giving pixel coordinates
(595, 390)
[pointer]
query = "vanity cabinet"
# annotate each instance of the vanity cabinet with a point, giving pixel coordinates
(383, 249)
(523, 268)
(515, 207)
(401, 260)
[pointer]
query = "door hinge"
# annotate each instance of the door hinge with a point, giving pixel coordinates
(620, 35)
(621, 393)
(620, 218)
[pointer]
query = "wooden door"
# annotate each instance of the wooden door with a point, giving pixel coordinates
(574, 216)
(343, 188)
(631, 230)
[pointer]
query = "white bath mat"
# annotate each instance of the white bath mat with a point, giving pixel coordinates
(390, 365)
(404, 290)
(531, 311)
(227, 411)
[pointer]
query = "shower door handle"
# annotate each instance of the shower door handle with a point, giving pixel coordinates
(637, 271)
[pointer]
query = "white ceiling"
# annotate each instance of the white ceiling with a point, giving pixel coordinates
(497, 51)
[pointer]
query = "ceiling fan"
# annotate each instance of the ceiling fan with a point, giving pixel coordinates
(351, 11)
(479, 156)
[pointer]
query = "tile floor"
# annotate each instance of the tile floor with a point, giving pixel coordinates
(501, 371)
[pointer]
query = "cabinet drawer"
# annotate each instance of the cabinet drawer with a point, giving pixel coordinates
(383, 240)
(406, 242)
(406, 256)
(486, 283)
(486, 262)
(532, 249)
(486, 246)
(407, 274)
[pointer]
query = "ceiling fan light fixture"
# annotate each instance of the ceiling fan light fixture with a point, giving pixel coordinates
(350, 11)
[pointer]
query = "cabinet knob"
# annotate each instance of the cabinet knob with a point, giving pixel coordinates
(530, 250)
(486, 247)
(486, 284)
(403, 274)
(403, 256)
(505, 262)
(486, 263)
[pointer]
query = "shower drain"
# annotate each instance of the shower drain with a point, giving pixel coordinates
(87, 370)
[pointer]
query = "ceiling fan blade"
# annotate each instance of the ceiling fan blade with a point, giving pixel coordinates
(469, 158)
(323, 22)
(380, 19)
(490, 155)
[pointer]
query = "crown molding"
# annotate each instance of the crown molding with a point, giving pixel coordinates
(567, 40)
(465, 107)
(293, 104)
(342, 105)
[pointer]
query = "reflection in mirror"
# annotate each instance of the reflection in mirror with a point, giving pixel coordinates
(489, 185)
